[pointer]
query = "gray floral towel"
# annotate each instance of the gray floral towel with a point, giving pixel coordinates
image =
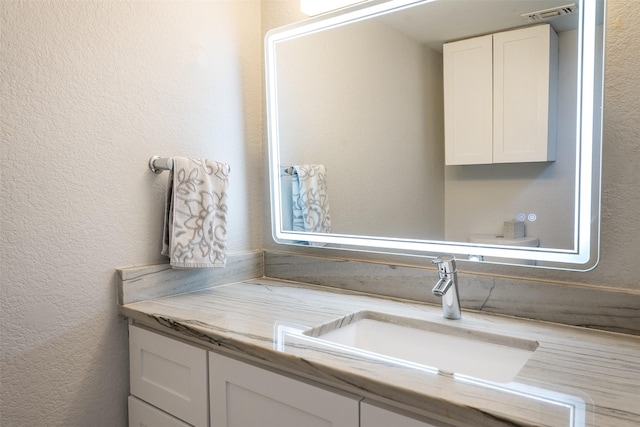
(310, 199)
(195, 223)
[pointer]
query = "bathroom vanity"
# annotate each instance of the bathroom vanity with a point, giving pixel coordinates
(205, 357)
(246, 351)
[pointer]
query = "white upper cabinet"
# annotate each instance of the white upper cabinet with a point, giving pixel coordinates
(500, 97)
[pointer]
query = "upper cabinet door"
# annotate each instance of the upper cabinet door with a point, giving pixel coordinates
(468, 101)
(525, 75)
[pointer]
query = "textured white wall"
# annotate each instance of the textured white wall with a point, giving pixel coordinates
(619, 266)
(91, 90)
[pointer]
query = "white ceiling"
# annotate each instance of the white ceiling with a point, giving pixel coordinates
(442, 21)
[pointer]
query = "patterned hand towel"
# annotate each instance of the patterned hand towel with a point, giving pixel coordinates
(310, 199)
(195, 223)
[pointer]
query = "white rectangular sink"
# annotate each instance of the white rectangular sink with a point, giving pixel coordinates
(449, 348)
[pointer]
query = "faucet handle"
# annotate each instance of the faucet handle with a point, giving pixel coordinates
(443, 258)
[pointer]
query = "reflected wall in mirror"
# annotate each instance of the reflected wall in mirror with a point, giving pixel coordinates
(367, 92)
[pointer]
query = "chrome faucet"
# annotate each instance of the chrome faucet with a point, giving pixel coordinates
(447, 286)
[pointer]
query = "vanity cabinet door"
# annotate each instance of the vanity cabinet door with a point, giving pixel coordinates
(375, 416)
(244, 395)
(141, 414)
(169, 374)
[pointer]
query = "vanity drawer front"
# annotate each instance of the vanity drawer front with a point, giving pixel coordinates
(169, 374)
(244, 395)
(141, 414)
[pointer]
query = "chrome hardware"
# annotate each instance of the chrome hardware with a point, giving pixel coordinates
(157, 164)
(447, 286)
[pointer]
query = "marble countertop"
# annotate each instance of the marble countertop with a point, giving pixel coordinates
(575, 377)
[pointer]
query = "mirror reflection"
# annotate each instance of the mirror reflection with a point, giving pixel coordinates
(445, 121)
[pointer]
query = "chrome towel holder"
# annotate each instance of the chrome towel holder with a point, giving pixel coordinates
(286, 170)
(158, 164)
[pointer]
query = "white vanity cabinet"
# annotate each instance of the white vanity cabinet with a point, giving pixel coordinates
(244, 395)
(500, 97)
(372, 415)
(168, 381)
(174, 384)
(141, 414)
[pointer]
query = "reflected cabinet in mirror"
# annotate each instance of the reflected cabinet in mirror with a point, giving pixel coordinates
(465, 127)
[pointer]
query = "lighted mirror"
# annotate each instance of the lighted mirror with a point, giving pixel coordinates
(463, 127)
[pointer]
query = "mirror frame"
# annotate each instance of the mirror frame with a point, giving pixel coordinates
(585, 253)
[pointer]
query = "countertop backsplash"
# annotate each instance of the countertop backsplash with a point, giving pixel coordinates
(577, 305)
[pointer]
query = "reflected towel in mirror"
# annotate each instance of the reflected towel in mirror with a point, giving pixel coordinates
(195, 223)
(310, 199)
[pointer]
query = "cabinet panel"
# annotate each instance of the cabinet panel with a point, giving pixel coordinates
(374, 416)
(169, 374)
(468, 101)
(243, 395)
(525, 69)
(141, 414)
